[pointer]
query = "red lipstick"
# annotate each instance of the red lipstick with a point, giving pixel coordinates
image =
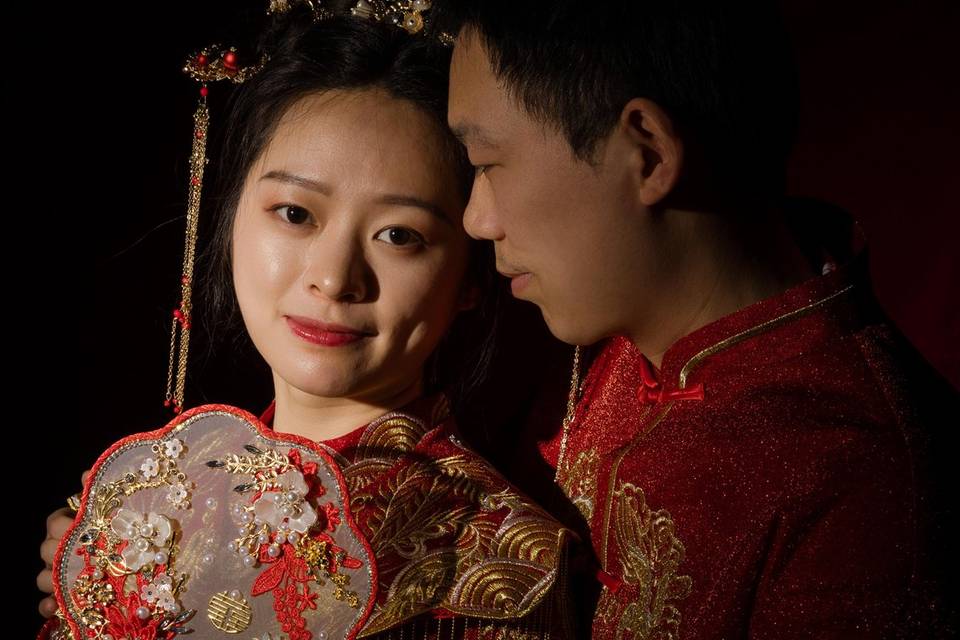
(322, 333)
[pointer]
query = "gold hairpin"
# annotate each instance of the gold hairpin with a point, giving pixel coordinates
(212, 64)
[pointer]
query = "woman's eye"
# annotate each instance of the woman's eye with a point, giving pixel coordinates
(400, 236)
(292, 214)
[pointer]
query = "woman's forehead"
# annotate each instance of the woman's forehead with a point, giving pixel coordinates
(359, 136)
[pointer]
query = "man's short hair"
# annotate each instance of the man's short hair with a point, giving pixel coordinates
(722, 70)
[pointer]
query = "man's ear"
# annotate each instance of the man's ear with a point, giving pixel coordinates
(657, 150)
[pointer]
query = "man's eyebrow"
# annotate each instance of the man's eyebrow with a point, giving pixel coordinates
(472, 134)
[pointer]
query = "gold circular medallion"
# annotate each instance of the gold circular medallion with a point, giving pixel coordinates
(230, 615)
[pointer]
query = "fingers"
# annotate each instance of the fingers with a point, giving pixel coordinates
(48, 606)
(48, 550)
(45, 581)
(58, 522)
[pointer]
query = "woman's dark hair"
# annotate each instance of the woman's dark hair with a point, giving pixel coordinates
(342, 53)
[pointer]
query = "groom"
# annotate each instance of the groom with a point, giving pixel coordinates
(749, 453)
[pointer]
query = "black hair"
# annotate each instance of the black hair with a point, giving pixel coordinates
(723, 71)
(342, 53)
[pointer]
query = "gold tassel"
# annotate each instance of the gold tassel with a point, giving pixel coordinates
(183, 314)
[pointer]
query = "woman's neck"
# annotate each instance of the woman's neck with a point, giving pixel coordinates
(319, 418)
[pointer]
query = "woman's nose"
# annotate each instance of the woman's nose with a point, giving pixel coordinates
(336, 269)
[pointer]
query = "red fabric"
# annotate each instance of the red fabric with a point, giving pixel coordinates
(795, 497)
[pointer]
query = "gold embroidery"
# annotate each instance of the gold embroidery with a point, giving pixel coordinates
(510, 586)
(526, 538)
(448, 532)
(580, 482)
(608, 507)
(650, 555)
(410, 509)
(390, 437)
(419, 587)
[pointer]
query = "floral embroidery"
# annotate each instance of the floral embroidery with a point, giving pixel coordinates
(127, 588)
(285, 528)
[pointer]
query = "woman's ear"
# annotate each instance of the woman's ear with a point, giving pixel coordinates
(656, 149)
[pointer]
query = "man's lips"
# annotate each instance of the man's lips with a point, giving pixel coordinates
(518, 280)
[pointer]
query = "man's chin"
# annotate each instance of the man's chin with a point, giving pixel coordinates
(573, 333)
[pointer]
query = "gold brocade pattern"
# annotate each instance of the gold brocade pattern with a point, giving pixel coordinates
(447, 530)
(579, 482)
(650, 555)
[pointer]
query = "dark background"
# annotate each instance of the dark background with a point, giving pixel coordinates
(100, 134)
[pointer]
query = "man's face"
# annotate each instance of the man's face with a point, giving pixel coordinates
(571, 235)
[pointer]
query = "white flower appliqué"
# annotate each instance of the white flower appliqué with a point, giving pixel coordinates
(287, 508)
(148, 534)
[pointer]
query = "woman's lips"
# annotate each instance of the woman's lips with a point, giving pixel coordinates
(328, 335)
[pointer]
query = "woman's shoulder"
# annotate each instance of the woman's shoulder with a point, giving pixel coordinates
(447, 529)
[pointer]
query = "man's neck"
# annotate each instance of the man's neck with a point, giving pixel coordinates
(723, 270)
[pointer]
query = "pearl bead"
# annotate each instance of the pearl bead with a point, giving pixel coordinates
(292, 496)
(263, 538)
(236, 509)
(232, 546)
(211, 503)
(281, 537)
(161, 557)
(293, 537)
(249, 562)
(208, 559)
(235, 594)
(143, 613)
(146, 530)
(286, 511)
(246, 518)
(143, 545)
(273, 551)
(242, 529)
(97, 574)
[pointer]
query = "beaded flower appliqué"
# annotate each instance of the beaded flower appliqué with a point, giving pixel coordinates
(284, 525)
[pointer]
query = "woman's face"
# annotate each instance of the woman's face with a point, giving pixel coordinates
(349, 253)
